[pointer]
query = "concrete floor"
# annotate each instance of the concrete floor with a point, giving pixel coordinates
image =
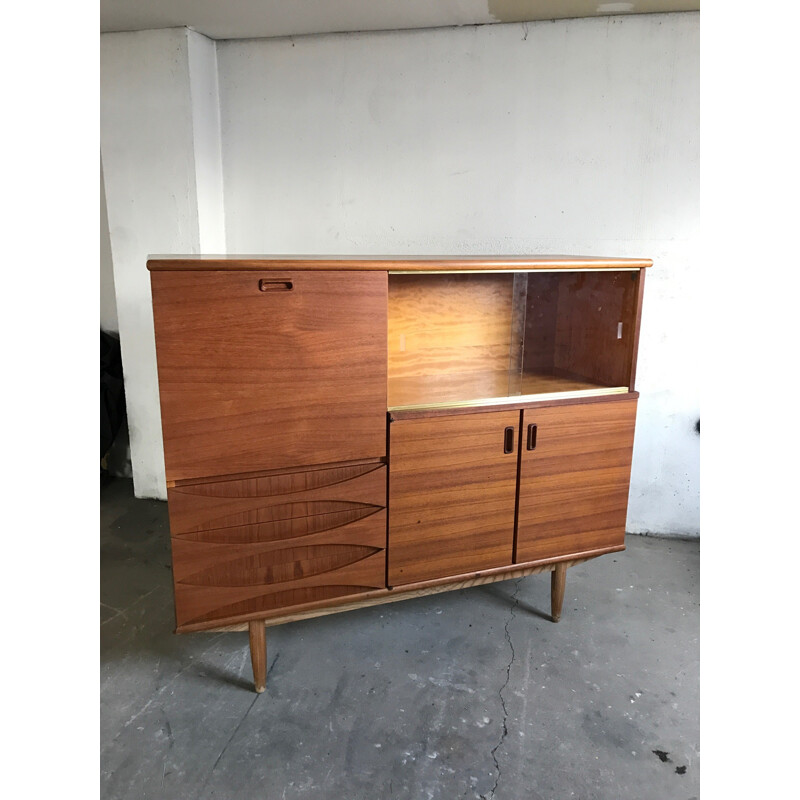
(467, 694)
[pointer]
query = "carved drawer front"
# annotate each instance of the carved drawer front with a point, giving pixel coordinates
(249, 547)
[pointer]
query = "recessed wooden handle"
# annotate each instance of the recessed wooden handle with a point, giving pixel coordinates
(272, 285)
(508, 440)
(531, 437)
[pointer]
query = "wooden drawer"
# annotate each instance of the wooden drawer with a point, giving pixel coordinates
(246, 548)
(271, 499)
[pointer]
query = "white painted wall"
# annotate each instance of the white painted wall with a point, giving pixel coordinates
(108, 299)
(575, 136)
(157, 131)
(204, 90)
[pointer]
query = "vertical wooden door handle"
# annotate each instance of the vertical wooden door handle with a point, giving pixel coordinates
(508, 440)
(531, 437)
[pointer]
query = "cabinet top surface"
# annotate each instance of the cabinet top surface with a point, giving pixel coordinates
(432, 263)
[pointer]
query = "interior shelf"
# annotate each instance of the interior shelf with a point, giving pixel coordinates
(459, 389)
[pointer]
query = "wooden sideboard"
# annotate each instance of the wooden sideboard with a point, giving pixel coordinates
(341, 432)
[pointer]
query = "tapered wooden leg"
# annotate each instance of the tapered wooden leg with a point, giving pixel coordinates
(558, 580)
(258, 653)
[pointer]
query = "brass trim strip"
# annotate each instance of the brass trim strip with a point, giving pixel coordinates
(521, 398)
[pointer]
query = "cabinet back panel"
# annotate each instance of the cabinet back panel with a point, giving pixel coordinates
(541, 308)
(440, 324)
(254, 379)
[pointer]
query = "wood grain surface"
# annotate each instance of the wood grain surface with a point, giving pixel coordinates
(595, 326)
(261, 544)
(452, 493)
(540, 317)
(454, 388)
(256, 380)
(258, 655)
(637, 322)
(558, 582)
(544, 401)
(444, 324)
(573, 492)
(469, 338)
(275, 376)
(200, 509)
(389, 262)
(405, 593)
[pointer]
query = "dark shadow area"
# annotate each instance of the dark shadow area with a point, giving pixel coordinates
(499, 593)
(229, 678)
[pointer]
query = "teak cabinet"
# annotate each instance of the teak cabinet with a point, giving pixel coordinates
(343, 432)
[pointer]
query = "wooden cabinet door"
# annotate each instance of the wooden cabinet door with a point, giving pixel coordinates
(452, 491)
(261, 371)
(573, 493)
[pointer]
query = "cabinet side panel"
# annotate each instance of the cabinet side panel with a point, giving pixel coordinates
(452, 491)
(634, 354)
(260, 372)
(573, 494)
